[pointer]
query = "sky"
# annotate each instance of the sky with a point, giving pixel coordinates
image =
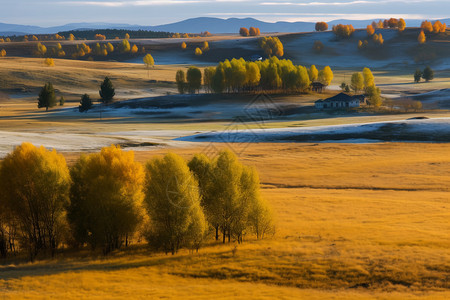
(157, 12)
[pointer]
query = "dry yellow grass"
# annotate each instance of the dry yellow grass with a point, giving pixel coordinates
(353, 222)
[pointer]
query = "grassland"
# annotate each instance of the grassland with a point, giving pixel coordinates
(353, 221)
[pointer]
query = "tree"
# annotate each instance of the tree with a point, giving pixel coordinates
(106, 198)
(149, 62)
(417, 75)
(344, 87)
(107, 91)
(3, 53)
(41, 50)
(109, 48)
(313, 73)
(208, 74)
(326, 75)
(318, 46)
(378, 39)
(373, 93)
(254, 31)
(172, 200)
(370, 30)
(100, 37)
(244, 31)
(194, 79)
(321, 26)
(343, 31)
(369, 80)
(127, 36)
(71, 37)
(124, 46)
(198, 51)
(401, 25)
(85, 103)
(272, 46)
(183, 45)
(428, 74)
(62, 100)
(35, 188)
(134, 49)
(357, 82)
(422, 38)
(427, 26)
(49, 62)
(180, 79)
(47, 96)
(205, 46)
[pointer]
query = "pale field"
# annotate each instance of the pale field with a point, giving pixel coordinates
(353, 222)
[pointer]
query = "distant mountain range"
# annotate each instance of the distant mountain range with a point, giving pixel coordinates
(194, 25)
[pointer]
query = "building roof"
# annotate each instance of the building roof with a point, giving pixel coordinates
(342, 97)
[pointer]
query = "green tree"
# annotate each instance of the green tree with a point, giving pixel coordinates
(106, 198)
(428, 74)
(357, 82)
(35, 188)
(124, 46)
(417, 75)
(172, 200)
(149, 62)
(253, 74)
(107, 91)
(85, 103)
(180, 79)
(208, 74)
(194, 79)
(47, 96)
(62, 100)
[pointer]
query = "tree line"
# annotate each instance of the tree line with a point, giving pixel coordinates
(252, 31)
(110, 34)
(107, 200)
(241, 76)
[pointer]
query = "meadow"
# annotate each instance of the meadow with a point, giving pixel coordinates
(365, 221)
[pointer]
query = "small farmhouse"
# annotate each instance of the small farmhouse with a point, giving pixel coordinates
(341, 100)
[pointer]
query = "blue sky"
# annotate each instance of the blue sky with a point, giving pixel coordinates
(155, 12)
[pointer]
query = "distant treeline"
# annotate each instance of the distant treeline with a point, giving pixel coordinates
(116, 33)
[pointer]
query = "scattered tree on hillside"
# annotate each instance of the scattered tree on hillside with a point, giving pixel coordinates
(194, 79)
(149, 62)
(106, 198)
(180, 79)
(272, 46)
(438, 27)
(254, 31)
(418, 75)
(205, 46)
(318, 47)
(127, 36)
(427, 26)
(107, 91)
(321, 26)
(183, 45)
(401, 25)
(85, 103)
(370, 30)
(422, 38)
(3, 53)
(357, 82)
(244, 31)
(343, 31)
(47, 96)
(35, 188)
(428, 74)
(172, 200)
(134, 49)
(378, 39)
(41, 50)
(198, 51)
(71, 37)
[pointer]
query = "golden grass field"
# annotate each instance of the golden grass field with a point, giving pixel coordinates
(354, 221)
(365, 221)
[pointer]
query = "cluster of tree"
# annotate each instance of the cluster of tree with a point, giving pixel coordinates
(427, 74)
(400, 24)
(240, 76)
(100, 37)
(437, 27)
(5, 40)
(199, 51)
(321, 26)
(81, 50)
(49, 62)
(343, 31)
(110, 34)
(272, 46)
(41, 50)
(364, 81)
(180, 35)
(377, 39)
(252, 31)
(106, 199)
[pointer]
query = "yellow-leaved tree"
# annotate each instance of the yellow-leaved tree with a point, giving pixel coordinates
(422, 38)
(106, 198)
(149, 62)
(34, 184)
(326, 75)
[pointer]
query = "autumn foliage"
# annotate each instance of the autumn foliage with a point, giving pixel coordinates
(272, 46)
(343, 31)
(321, 26)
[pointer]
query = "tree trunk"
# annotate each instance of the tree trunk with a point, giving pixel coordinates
(217, 232)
